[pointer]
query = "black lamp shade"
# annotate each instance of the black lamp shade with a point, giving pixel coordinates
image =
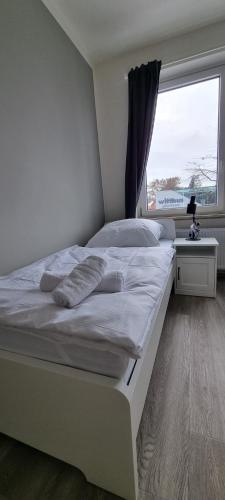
(191, 207)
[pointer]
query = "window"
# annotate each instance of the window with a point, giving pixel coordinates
(185, 153)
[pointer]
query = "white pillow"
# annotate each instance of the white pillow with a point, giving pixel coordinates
(128, 233)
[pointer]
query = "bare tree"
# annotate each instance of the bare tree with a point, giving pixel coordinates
(169, 183)
(204, 168)
(195, 181)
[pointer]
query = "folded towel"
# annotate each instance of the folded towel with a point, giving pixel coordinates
(111, 282)
(50, 280)
(84, 278)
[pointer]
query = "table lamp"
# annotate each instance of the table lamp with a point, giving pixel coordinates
(195, 226)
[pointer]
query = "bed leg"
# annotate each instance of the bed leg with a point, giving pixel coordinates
(119, 466)
(112, 457)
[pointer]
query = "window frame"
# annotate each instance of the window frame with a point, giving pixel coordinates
(183, 81)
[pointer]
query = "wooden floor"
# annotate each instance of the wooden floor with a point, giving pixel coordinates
(181, 441)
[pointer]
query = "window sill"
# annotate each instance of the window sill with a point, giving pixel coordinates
(212, 215)
(200, 216)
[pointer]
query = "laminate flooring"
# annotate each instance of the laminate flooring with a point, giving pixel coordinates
(181, 440)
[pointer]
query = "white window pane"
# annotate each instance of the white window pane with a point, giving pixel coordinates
(183, 155)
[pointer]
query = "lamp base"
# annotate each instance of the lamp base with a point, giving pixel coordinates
(193, 234)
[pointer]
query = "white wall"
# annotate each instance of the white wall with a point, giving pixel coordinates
(111, 94)
(50, 178)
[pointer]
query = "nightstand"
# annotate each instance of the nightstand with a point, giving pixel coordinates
(196, 266)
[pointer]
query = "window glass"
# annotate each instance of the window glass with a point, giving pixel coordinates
(183, 154)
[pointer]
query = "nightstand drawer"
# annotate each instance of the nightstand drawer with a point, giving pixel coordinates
(195, 276)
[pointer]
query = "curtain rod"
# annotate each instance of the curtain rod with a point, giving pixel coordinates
(208, 53)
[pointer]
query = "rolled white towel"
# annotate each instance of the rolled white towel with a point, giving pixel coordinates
(50, 280)
(84, 278)
(111, 282)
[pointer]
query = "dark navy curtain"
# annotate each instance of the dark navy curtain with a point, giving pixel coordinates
(143, 91)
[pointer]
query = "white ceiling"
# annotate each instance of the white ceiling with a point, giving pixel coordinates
(104, 28)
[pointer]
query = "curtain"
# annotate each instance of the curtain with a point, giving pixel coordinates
(143, 86)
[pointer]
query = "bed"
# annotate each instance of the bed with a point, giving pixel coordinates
(81, 400)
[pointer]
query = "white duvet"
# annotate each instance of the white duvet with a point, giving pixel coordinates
(116, 322)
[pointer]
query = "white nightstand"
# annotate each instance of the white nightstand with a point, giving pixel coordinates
(196, 266)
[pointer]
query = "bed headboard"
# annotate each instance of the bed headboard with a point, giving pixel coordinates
(169, 232)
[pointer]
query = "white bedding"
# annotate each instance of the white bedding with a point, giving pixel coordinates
(115, 323)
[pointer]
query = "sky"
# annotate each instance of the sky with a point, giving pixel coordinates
(185, 129)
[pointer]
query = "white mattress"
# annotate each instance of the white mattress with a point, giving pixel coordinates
(29, 344)
(103, 332)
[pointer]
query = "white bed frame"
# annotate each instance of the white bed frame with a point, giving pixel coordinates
(90, 421)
